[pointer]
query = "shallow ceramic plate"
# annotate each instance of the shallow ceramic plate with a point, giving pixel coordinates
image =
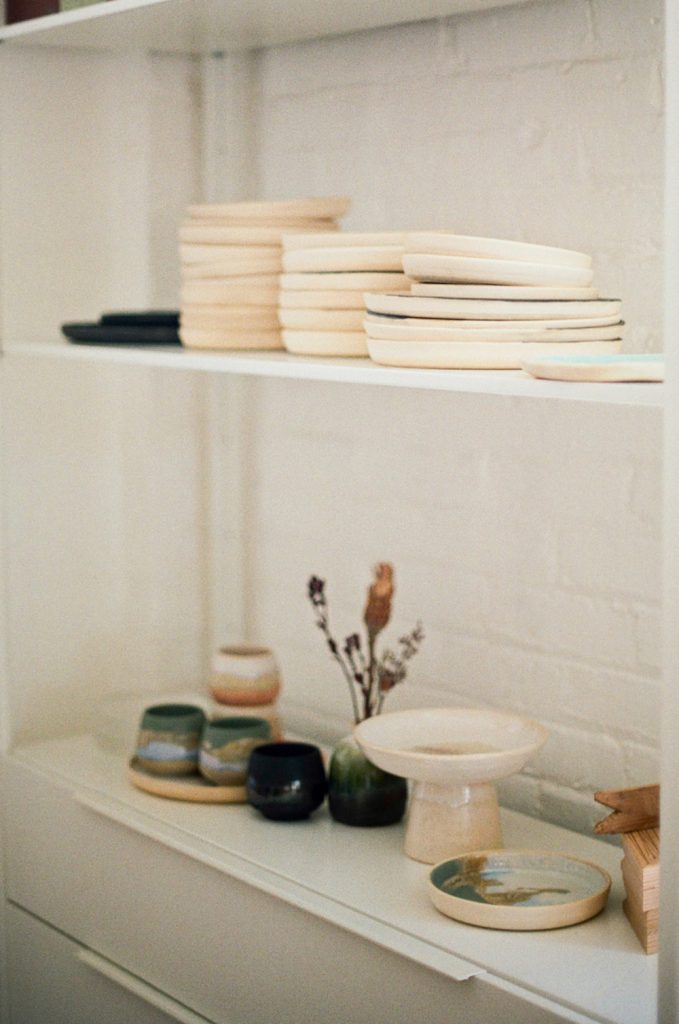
(640, 367)
(485, 355)
(253, 290)
(351, 238)
(493, 248)
(248, 261)
(190, 252)
(204, 231)
(322, 319)
(326, 343)
(519, 890)
(503, 291)
(316, 208)
(214, 317)
(405, 304)
(359, 281)
(297, 299)
(386, 328)
(447, 324)
(192, 788)
(230, 339)
(340, 258)
(428, 267)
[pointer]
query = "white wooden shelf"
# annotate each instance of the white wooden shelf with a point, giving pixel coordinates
(348, 371)
(209, 26)
(360, 880)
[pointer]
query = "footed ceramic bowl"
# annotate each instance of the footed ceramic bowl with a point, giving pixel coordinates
(454, 756)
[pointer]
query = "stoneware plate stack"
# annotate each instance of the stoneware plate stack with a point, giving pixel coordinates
(231, 259)
(484, 303)
(322, 305)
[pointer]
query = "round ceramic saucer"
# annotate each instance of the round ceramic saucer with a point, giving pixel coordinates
(315, 208)
(342, 238)
(207, 232)
(359, 257)
(189, 253)
(238, 266)
(229, 338)
(322, 319)
(298, 299)
(638, 367)
(249, 318)
(390, 328)
(462, 324)
(326, 343)
(503, 291)
(254, 290)
(519, 890)
(428, 267)
(193, 788)
(465, 355)
(359, 281)
(493, 249)
(405, 304)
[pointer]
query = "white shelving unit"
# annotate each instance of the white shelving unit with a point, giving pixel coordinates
(592, 975)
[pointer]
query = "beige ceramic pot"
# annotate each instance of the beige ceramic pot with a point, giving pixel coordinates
(244, 676)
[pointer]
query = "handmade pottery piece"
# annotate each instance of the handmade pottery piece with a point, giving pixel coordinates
(519, 890)
(169, 738)
(454, 756)
(345, 238)
(253, 290)
(226, 746)
(406, 305)
(193, 253)
(245, 675)
(360, 793)
(350, 258)
(502, 291)
(386, 328)
(316, 208)
(493, 248)
(230, 338)
(211, 317)
(269, 712)
(613, 368)
(190, 788)
(326, 343)
(299, 299)
(322, 319)
(286, 781)
(484, 355)
(350, 281)
(233, 266)
(428, 267)
(204, 231)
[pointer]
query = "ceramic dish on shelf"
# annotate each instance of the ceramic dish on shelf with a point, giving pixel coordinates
(207, 232)
(503, 291)
(214, 317)
(613, 369)
(192, 253)
(487, 355)
(191, 788)
(393, 329)
(531, 326)
(321, 319)
(355, 239)
(249, 263)
(434, 267)
(255, 290)
(493, 249)
(230, 339)
(325, 343)
(320, 208)
(340, 258)
(405, 304)
(298, 299)
(519, 890)
(350, 281)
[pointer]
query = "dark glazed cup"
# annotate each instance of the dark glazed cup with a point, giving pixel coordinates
(286, 781)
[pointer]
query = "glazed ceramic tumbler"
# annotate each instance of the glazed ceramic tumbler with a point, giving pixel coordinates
(169, 739)
(286, 781)
(226, 747)
(245, 676)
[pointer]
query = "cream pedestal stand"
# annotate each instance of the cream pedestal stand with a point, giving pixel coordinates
(453, 756)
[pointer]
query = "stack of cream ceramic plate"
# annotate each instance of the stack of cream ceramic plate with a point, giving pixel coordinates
(231, 259)
(484, 303)
(322, 305)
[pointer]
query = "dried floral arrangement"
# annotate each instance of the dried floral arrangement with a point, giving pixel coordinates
(369, 676)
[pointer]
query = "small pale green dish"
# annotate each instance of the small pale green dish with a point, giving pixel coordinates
(519, 890)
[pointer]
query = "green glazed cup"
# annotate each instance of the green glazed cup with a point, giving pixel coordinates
(169, 738)
(226, 747)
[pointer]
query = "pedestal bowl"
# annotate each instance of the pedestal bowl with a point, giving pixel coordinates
(454, 756)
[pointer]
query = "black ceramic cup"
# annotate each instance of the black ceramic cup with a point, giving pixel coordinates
(286, 781)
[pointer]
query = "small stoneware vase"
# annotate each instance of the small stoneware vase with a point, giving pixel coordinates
(226, 747)
(360, 793)
(286, 781)
(169, 738)
(245, 676)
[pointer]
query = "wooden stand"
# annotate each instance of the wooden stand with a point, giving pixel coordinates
(641, 874)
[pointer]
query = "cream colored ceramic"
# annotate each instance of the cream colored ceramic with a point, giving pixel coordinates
(250, 262)
(350, 238)
(326, 343)
(483, 355)
(313, 208)
(298, 299)
(255, 290)
(192, 788)
(427, 267)
(613, 369)
(454, 756)
(396, 329)
(206, 232)
(408, 305)
(493, 248)
(244, 675)
(270, 712)
(359, 281)
(503, 291)
(250, 318)
(230, 338)
(190, 253)
(341, 258)
(322, 319)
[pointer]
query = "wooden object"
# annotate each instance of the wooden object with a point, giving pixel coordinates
(641, 874)
(192, 788)
(633, 809)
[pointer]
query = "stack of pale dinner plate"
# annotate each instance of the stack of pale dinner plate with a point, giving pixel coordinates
(322, 305)
(231, 260)
(484, 303)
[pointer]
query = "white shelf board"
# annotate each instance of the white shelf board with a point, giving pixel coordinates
(360, 880)
(348, 371)
(209, 26)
